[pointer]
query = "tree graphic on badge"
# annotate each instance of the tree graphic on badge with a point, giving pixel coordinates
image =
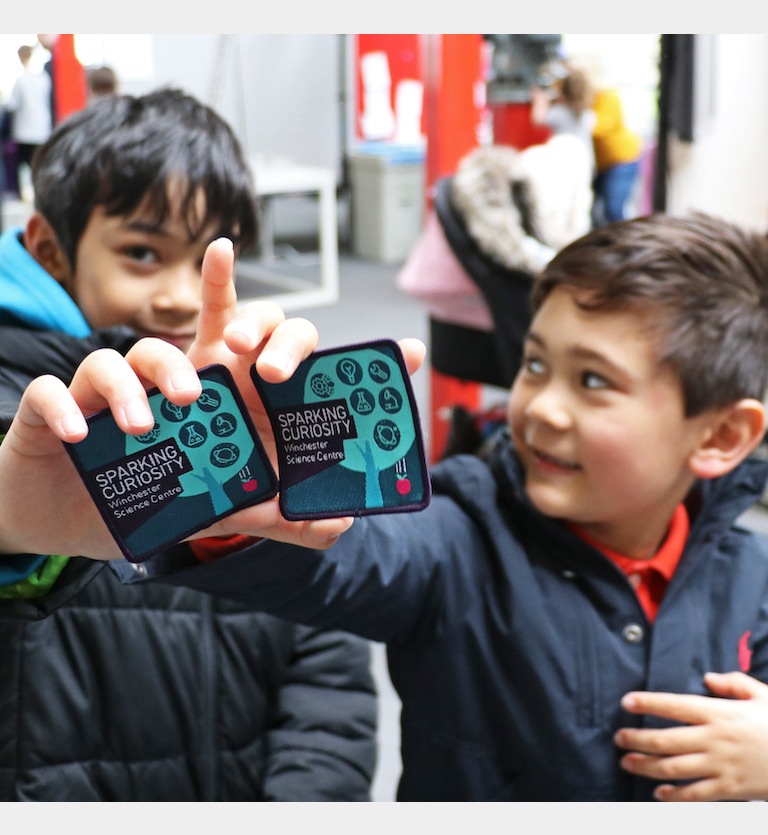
(371, 382)
(205, 431)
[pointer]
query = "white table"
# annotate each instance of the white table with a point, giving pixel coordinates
(274, 180)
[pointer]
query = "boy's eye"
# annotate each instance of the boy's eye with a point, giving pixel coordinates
(144, 254)
(591, 380)
(533, 365)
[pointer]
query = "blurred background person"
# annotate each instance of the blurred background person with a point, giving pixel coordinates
(617, 158)
(102, 81)
(29, 108)
(566, 107)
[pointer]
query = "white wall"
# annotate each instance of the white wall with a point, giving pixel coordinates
(725, 170)
(280, 93)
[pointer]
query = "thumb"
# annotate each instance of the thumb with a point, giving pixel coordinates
(735, 686)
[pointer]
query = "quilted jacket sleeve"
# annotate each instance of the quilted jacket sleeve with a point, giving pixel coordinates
(323, 745)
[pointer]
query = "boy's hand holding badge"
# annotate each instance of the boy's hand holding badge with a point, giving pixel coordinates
(345, 433)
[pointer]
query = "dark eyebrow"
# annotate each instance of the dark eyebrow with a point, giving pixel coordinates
(147, 227)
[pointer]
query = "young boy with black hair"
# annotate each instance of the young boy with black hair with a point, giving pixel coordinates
(594, 553)
(594, 556)
(112, 692)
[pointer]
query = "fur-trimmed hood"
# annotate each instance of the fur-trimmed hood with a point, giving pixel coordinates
(521, 206)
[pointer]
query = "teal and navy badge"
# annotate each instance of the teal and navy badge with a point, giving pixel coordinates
(198, 464)
(348, 435)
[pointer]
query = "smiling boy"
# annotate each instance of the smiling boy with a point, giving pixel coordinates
(108, 692)
(590, 397)
(122, 223)
(594, 551)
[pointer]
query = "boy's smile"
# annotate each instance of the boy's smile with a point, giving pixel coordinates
(133, 271)
(599, 425)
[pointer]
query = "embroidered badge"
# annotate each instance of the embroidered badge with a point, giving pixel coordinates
(198, 464)
(348, 435)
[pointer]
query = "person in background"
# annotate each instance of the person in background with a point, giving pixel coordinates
(566, 108)
(138, 694)
(102, 81)
(617, 158)
(29, 106)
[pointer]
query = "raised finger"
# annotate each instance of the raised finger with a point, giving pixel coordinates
(219, 298)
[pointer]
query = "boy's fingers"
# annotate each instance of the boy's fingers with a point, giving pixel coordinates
(321, 533)
(414, 353)
(219, 299)
(735, 686)
(684, 740)
(292, 341)
(265, 520)
(158, 363)
(698, 792)
(681, 707)
(47, 401)
(105, 378)
(686, 767)
(252, 325)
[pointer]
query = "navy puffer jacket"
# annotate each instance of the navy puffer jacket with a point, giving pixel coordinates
(510, 640)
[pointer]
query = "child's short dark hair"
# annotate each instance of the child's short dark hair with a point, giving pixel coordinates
(704, 280)
(123, 150)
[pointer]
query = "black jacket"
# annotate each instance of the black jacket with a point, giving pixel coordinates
(113, 692)
(510, 640)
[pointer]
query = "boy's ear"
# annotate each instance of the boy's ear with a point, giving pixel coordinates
(729, 439)
(42, 244)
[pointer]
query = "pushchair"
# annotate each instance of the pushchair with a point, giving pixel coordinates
(485, 357)
(494, 225)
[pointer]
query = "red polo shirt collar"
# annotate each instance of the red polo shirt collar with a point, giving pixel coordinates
(651, 577)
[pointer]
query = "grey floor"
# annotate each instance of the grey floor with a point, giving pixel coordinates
(370, 306)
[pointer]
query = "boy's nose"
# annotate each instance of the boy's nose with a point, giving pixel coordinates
(181, 291)
(549, 406)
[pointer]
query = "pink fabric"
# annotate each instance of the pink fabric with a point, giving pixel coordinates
(435, 276)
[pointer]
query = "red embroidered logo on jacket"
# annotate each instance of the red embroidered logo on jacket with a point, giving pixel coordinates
(745, 653)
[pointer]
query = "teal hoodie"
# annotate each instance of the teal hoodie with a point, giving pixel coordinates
(30, 297)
